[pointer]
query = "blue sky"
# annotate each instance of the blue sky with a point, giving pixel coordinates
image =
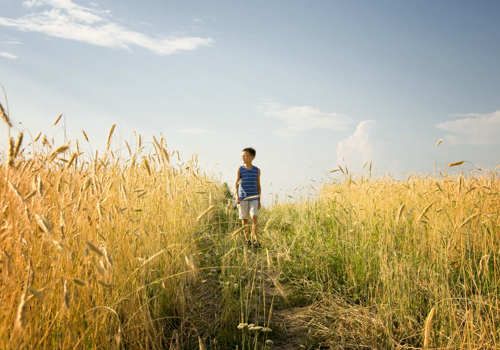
(309, 84)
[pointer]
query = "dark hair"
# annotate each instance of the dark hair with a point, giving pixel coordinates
(250, 151)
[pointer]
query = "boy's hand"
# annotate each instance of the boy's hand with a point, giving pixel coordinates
(237, 200)
(259, 205)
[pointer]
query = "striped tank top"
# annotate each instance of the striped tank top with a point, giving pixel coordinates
(248, 183)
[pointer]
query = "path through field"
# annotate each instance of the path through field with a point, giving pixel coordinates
(289, 323)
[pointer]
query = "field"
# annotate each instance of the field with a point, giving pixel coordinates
(146, 252)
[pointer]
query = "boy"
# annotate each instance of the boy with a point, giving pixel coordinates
(248, 193)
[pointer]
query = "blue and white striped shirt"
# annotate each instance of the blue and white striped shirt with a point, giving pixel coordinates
(248, 183)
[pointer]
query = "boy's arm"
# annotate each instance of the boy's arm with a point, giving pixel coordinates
(258, 186)
(236, 186)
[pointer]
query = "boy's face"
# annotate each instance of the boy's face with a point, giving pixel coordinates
(246, 157)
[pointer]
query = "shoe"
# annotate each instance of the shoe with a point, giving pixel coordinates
(249, 243)
(256, 244)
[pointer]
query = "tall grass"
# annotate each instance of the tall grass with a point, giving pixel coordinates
(98, 251)
(146, 252)
(396, 264)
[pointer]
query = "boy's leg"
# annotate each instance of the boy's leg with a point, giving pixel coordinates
(255, 227)
(254, 208)
(244, 222)
(243, 211)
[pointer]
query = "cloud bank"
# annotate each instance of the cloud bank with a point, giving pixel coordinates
(473, 129)
(68, 20)
(8, 55)
(359, 147)
(302, 118)
(372, 142)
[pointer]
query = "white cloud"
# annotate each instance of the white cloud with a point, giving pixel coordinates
(473, 129)
(11, 42)
(8, 55)
(194, 131)
(359, 147)
(371, 142)
(302, 118)
(68, 20)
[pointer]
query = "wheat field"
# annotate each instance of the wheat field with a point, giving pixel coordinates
(101, 251)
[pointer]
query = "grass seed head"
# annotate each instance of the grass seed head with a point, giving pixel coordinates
(57, 120)
(95, 249)
(20, 319)
(42, 223)
(5, 117)
(11, 151)
(19, 142)
(427, 327)
(57, 151)
(37, 137)
(110, 136)
(85, 136)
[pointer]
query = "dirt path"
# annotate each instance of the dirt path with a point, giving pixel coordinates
(289, 323)
(293, 330)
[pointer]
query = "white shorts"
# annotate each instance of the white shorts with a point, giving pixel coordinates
(247, 208)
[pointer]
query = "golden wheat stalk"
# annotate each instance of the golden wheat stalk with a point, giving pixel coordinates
(146, 165)
(156, 144)
(17, 147)
(57, 244)
(466, 221)
(39, 186)
(57, 120)
(139, 142)
(38, 294)
(104, 284)
(400, 212)
(37, 137)
(95, 249)
(422, 214)
(19, 321)
(128, 148)
(107, 256)
(5, 117)
(11, 152)
(66, 295)
(427, 327)
(268, 223)
(85, 136)
(455, 163)
(42, 223)
(79, 282)
(71, 160)
(165, 154)
(110, 136)
(57, 151)
(16, 191)
(205, 212)
(28, 196)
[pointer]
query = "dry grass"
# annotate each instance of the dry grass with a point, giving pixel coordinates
(93, 248)
(418, 260)
(102, 252)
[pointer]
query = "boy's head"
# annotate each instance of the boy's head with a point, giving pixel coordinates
(248, 154)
